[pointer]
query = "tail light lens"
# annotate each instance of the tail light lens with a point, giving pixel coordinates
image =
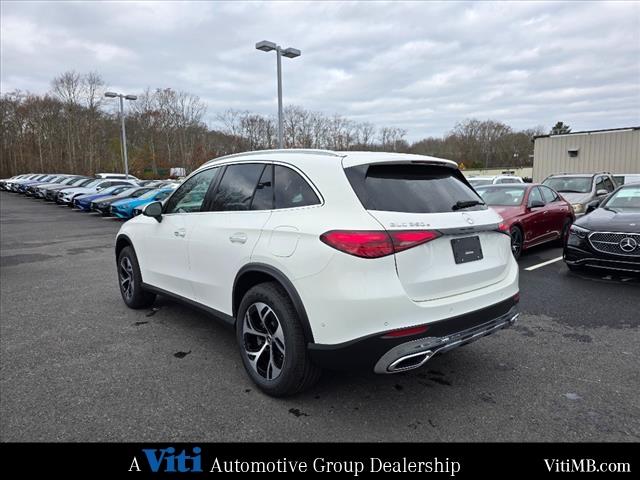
(405, 332)
(504, 228)
(376, 243)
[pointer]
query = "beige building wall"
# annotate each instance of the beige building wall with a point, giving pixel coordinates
(615, 151)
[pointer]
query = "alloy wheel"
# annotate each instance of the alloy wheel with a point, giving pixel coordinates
(516, 242)
(263, 340)
(126, 277)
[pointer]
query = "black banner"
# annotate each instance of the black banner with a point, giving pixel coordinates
(454, 460)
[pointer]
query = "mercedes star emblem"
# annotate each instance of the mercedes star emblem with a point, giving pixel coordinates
(628, 244)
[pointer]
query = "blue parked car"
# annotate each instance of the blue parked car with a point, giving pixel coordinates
(83, 202)
(124, 208)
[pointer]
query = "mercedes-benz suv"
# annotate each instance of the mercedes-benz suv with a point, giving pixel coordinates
(319, 259)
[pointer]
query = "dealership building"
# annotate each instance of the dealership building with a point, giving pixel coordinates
(615, 150)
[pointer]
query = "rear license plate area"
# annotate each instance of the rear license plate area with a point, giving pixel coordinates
(466, 249)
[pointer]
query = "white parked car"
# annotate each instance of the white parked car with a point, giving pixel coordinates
(349, 260)
(625, 178)
(116, 175)
(67, 195)
(497, 180)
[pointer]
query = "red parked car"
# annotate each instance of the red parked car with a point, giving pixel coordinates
(533, 213)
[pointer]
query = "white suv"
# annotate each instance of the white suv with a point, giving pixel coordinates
(327, 259)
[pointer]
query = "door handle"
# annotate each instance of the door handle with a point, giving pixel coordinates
(181, 232)
(238, 238)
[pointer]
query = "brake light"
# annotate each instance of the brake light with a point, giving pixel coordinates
(405, 332)
(504, 228)
(375, 243)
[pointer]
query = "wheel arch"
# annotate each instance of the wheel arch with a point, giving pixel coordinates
(255, 273)
(121, 242)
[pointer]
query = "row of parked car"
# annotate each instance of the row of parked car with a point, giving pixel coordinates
(595, 217)
(110, 194)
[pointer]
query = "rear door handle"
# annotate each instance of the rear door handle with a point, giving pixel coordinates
(238, 238)
(181, 232)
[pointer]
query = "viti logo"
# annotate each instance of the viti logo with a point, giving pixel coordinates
(166, 460)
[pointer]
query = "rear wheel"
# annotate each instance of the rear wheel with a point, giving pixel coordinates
(272, 343)
(517, 240)
(130, 281)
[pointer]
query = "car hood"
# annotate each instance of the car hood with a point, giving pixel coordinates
(609, 221)
(112, 199)
(507, 212)
(572, 197)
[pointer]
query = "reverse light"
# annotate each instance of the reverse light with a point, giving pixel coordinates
(405, 332)
(376, 243)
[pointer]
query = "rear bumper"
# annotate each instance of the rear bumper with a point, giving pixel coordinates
(384, 354)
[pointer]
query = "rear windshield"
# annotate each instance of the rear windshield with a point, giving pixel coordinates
(412, 188)
(502, 196)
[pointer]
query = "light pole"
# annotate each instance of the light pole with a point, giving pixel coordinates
(122, 97)
(267, 46)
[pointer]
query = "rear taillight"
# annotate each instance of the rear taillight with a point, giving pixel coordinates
(504, 228)
(375, 243)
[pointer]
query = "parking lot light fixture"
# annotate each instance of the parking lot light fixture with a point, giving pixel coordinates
(123, 132)
(267, 46)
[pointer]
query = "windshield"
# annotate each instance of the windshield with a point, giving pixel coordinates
(569, 184)
(91, 183)
(502, 196)
(627, 198)
(476, 182)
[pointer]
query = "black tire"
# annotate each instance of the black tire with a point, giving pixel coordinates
(564, 232)
(131, 290)
(296, 371)
(517, 241)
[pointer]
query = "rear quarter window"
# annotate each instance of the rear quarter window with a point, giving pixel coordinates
(410, 188)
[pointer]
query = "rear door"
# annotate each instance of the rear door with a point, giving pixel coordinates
(223, 238)
(469, 255)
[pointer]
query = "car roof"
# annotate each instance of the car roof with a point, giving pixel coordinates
(300, 157)
(509, 185)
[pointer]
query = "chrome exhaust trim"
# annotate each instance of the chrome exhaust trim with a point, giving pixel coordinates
(414, 354)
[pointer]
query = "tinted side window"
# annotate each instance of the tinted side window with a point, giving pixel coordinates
(291, 190)
(548, 194)
(236, 188)
(263, 198)
(619, 180)
(600, 184)
(190, 195)
(535, 196)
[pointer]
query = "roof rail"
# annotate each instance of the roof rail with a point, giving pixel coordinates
(304, 151)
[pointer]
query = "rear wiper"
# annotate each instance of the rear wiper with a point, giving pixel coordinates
(469, 203)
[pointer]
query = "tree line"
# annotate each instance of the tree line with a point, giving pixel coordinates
(71, 129)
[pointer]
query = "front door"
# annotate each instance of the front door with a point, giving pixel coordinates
(167, 264)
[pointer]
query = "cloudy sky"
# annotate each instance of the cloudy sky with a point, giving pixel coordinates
(422, 66)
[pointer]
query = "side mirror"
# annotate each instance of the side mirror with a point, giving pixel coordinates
(601, 192)
(536, 204)
(591, 206)
(153, 209)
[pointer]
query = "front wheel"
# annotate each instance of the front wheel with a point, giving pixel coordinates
(130, 281)
(517, 240)
(272, 343)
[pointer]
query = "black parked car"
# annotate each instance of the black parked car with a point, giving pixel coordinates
(609, 236)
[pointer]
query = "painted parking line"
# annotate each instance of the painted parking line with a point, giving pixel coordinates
(539, 265)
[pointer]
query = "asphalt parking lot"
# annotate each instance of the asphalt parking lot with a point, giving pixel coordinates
(77, 365)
